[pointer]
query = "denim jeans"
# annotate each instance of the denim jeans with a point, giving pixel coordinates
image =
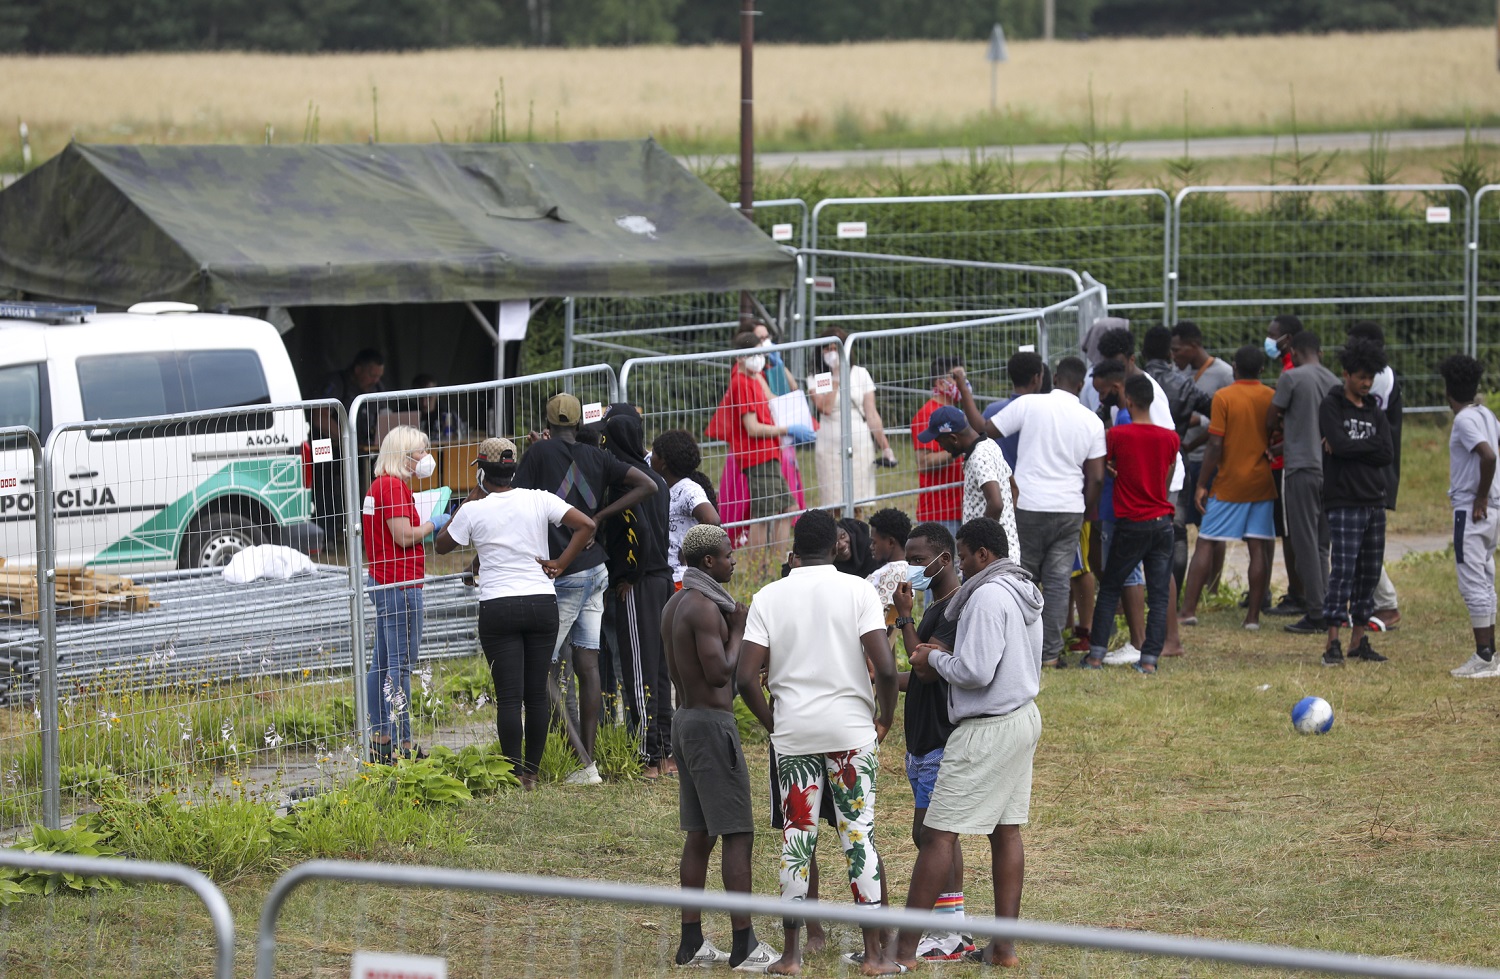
(518, 633)
(1049, 542)
(398, 637)
(1148, 543)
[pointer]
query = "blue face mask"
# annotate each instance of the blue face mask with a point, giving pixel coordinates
(918, 577)
(1272, 350)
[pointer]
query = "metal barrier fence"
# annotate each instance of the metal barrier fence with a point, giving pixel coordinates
(1396, 254)
(1123, 237)
(1484, 279)
(602, 959)
(194, 641)
(220, 917)
(609, 330)
(451, 422)
(28, 743)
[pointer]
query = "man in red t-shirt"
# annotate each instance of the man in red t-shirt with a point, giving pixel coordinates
(745, 422)
(935, 467)
(1142, 456)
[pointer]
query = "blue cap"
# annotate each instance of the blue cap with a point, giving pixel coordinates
(947, 420)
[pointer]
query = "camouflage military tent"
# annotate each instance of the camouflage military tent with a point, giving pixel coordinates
(260, 226)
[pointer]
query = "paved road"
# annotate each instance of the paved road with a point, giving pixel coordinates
(1142, 149)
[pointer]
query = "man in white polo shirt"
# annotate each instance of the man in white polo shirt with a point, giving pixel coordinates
(1059, 472)
(812, 633)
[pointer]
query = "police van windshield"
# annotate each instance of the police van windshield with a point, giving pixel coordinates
(21, 397)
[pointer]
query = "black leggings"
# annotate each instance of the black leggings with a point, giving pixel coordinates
(517, 635)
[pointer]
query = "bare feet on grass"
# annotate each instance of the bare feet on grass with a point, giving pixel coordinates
(817, 939)
(785, 966)
(1000, 953)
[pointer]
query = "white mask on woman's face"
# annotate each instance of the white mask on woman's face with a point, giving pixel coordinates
(755, 363)
(831, 359)
(424, 466)
(765, 341)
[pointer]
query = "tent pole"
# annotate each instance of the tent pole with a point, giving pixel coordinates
(747, 137)
(497, 417)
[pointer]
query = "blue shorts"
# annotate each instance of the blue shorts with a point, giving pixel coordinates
(1238, 521)
(580, 609)
(922, 772)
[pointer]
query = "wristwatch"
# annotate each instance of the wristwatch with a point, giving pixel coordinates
(902, 621)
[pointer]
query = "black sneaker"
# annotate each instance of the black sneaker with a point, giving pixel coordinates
(1288, 606)
(1334, 654)
(1265, 601)
(1306, 626)
(1364, 652)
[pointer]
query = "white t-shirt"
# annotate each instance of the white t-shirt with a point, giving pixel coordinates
(986, 464)
(812, 621)
(1385, 384)
(1058, 435)
(509, 529)
(685, 497)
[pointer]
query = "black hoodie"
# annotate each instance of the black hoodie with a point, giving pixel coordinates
(636, 540)
(1360, 451)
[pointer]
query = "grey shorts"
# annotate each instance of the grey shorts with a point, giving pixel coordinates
(768, 490)
(713, 784)
(985, 777)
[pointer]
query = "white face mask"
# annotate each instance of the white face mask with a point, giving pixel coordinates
(755, 363)
(831, 358)
(766, 342)
(424, 466)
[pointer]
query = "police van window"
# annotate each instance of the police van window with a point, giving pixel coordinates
(21, 397)
(224, 379)
(129, 385)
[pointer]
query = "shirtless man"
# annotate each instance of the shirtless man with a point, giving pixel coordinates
(701, 630)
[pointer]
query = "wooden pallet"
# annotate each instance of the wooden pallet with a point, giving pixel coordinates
(78, 592)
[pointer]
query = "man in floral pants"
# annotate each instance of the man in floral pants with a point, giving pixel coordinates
(812, 632)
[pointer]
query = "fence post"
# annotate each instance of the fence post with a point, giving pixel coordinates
(568, 323)
(359, 659)
(46, 578)
(846, 416)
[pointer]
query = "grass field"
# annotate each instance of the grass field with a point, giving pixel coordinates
(892, 94)
(1183, 803)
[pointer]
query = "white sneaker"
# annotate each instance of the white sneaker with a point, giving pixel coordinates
(585, 776)
(1481, 670)
(706, 956)
(1126, 655)
(761, 959)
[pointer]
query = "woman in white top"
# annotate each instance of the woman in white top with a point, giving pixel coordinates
(869, 430)
(517, 601)
(675, 456)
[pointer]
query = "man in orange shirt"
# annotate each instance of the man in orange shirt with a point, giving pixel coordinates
(1238, 468)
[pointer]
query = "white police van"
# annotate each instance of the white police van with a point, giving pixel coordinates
(156, 497)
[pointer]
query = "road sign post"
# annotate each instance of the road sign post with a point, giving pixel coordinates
(995, 55)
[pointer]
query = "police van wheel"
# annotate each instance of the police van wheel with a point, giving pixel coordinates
(214, 538)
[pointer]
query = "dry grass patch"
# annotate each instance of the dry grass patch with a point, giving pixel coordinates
(905, 93)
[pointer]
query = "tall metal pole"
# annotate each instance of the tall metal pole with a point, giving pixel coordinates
(747, 136)
(1049, 19)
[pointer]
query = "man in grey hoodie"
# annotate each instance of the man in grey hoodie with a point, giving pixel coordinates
(984, 781)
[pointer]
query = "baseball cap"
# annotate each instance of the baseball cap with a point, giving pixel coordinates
(947, 420)
(494, 449)
(564, 409)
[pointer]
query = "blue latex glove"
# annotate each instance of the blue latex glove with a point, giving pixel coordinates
(439, 521)
(801, 434)
(773, 358)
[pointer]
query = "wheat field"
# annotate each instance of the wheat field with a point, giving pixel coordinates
(688, 97)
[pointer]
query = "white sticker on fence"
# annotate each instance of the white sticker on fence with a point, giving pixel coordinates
(781, 232)
(1439, 215)
(822, 383)
(822, 283)
(322, 450)
(9, 482)
(1026, 348)
(593, 412)
(853, 229)
(385, 965)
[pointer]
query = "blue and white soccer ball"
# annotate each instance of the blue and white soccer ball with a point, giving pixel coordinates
(1312, 715)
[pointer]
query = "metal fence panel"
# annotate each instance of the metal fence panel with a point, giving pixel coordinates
(28, 773)
(608, 330)
(1395, 254)
(220, 918)
(1120, 236)
(869, 916)
(168, 673)
(444, 701)
(1484, 283)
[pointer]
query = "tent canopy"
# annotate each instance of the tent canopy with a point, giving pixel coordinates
(385, 223)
